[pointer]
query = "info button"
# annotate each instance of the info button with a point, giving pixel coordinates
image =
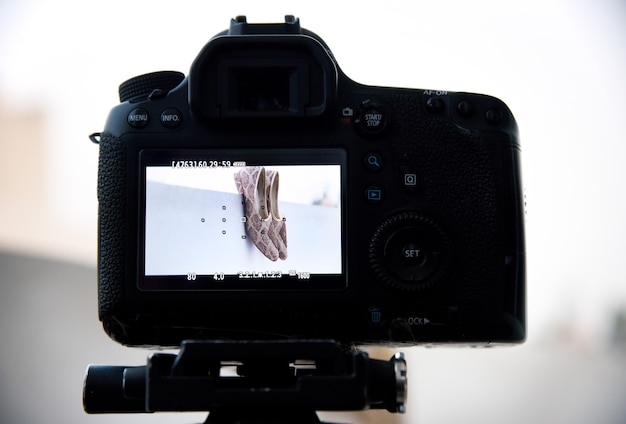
(171, 118)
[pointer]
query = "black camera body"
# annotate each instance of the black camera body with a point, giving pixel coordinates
(268, 196)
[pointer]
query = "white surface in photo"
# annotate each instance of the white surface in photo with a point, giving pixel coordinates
(201, 231)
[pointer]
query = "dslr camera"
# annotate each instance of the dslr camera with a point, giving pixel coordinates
(266, 195)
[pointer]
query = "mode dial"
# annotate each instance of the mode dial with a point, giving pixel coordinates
(144, 85)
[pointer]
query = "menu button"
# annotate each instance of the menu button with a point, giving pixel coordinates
(138, 118)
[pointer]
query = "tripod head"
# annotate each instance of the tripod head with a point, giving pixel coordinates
(250, 381)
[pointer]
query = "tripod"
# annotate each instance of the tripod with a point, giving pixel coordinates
(262, 382)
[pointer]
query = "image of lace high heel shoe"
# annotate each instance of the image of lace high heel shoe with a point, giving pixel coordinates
(251, 183)
(278, 226)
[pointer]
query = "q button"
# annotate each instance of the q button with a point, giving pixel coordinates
(373, 162)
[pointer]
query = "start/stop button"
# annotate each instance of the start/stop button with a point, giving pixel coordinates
(373, 119)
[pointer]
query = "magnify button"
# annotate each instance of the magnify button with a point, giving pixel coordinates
(373, 162)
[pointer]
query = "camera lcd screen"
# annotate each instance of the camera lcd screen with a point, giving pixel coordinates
(242, 219)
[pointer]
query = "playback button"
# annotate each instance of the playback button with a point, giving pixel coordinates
(374, 194)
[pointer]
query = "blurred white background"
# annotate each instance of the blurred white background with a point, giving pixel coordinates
(559, 64)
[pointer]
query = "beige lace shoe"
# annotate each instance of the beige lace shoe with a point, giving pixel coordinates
(278, 226)
(251, 183)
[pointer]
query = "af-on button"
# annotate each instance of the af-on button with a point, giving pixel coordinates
(435, 105)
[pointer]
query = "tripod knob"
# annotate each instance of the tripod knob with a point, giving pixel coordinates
(399, 368)
(106, 389)
(387, 386)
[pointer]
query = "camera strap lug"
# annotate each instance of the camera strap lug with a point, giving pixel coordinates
(95, 137)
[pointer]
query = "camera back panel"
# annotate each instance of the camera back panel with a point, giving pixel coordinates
(267, 195)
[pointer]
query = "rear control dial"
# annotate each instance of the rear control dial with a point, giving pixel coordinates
(409, 251)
